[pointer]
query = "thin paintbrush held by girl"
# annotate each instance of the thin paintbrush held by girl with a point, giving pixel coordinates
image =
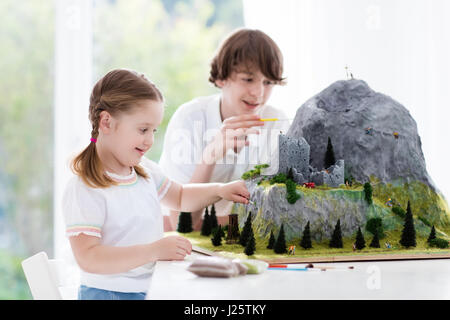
(112, 206)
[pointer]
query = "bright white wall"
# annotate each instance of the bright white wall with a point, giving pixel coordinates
(400, 48)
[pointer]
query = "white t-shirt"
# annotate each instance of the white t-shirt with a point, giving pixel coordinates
(124, 215)
(194, 125)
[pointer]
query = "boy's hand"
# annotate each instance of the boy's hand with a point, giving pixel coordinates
(173, 248)
(234, 191)
(232, 135)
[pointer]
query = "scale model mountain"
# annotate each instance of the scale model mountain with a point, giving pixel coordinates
(345, 136)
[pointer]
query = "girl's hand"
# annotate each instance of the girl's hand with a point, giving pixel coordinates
(232, 135)
(234, 191)
(173, 248)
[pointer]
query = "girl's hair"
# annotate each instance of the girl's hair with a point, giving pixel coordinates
(249, 49)
(117, 92)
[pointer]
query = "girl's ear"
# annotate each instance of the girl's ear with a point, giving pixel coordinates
(105, 122)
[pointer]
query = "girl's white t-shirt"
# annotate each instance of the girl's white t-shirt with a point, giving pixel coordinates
(193, 126)
(124, 215)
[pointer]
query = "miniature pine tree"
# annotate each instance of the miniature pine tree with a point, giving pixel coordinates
(246, 231)
(360, 242)
(306, 240)
(213, 217)
(184, 222)
(250, 247)
(432, 234)
(375, 240)
(368, 192)
(408, 238)
(336, 238)
(329, 155)
(206, 225)
(280, 243)
(217, 238)
(290, 174)
(271, 241)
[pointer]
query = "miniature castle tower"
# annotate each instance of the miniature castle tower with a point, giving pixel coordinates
(293, 153)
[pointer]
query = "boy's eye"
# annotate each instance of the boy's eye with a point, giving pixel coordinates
(247, 79)
(144, 130)
(269, 83)
(154, 130)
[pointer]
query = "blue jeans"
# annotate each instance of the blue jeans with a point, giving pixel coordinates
(88, 293)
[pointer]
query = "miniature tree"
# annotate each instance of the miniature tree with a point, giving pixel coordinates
(290, 174)
(213, 217)
(206, 225)
(360, 242)
(271, 241)
(222, 230)
(291, 191)
(336, 238)
(329, 155)
(408, 238)
(217, 238)
(368, 193)
(432, 234)
(306, 240)
(375, 225)
(280, 243)
(375, 243)
(250, 247)
(184, 222)
(246, 231)
(233, 229)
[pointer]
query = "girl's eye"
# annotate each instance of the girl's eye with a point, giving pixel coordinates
(247, 79)
(269, 83)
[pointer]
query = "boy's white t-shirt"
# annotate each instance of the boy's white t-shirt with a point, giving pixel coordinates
(194, 125)
(124, 215)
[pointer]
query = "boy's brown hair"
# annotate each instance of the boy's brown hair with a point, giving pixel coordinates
(117, 92)
(250, 49)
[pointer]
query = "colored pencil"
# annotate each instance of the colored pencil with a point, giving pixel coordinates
(294, 269)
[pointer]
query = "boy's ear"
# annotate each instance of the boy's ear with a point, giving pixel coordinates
(220, 83)
(105, 124)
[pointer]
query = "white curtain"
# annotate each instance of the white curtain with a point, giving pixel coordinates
(73, 82)
(399, 47)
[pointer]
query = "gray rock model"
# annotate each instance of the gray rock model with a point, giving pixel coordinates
(374, 139)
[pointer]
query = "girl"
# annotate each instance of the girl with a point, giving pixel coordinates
(112, 206)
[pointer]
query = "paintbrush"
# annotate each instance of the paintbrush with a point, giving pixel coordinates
(274, 119)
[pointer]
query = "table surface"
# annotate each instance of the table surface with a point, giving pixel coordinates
(391, 280)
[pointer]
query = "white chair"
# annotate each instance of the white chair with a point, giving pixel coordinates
(47, 278)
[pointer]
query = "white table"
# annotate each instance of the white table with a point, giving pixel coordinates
(391, 280)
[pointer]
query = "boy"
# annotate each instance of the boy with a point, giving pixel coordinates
(213, 138)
